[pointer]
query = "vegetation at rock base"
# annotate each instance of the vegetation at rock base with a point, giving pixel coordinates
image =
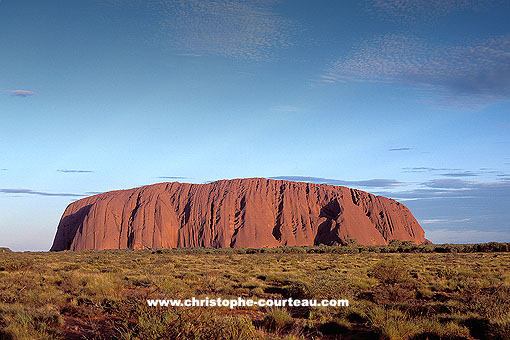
(401, 291)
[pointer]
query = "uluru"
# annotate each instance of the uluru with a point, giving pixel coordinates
(239, 213)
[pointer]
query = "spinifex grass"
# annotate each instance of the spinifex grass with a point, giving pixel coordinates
(395, 292)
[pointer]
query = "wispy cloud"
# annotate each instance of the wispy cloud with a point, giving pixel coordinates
(172, 177)
(445, 205)
(466, 236)
(421, 10)
(189, 55)
(432, 221)
(40, 193)
(3, 169)
(230, 28)
(438, 220)
(454, 172)
(469, 75)
(426, 169)
(461, 174)
(22, 93)
(371, 183)
(450, 183)
(74, 171)
(325, 79)
(399, 149)
(449, 207)
(454, 188)
(285, 108)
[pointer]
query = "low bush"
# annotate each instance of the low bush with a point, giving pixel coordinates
(446, 273)
(389, 271)
(13, 264)
(297, 290)
(277, 320)
(20, 323)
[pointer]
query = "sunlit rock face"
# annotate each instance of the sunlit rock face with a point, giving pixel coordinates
(240, 213)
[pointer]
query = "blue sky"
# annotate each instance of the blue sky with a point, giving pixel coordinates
(407, 99)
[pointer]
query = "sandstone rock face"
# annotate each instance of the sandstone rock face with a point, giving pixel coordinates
(237, 213)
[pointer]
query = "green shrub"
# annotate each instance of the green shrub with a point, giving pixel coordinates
(232, 328)
(183, 324)
(13, 265)
(277, 320)
(446, 273)
(252, 284)
(351, 242)
(296, 290)
(257, 291)
(19, 323)
(391, 324)
(433, 329)
(330, 286)
(389, 271)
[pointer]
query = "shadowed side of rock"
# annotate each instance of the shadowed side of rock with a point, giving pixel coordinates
(233, 213)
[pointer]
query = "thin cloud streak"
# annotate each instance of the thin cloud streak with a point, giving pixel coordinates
(189, 55)
(436, 221)
(285, 108)
(455, 172)
(172, 177)
(443, 188)
(432, 221)
(39, 193)
(449, 183)
(466, 236)
(372, 183)
(461, 174)
(456, 205)
(427, 169)
(75, 171)
(399, 149)
(22, 93)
